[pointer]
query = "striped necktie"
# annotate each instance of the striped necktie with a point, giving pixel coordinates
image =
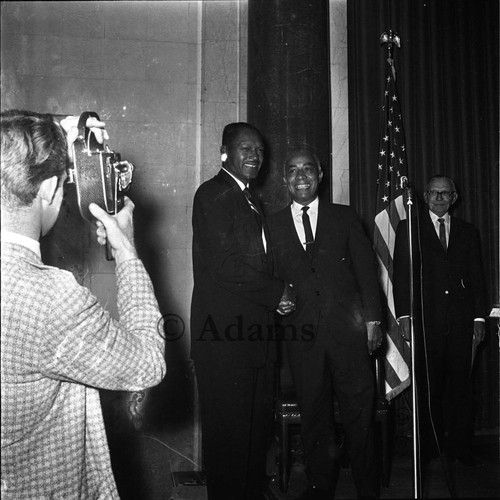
(259, 217)
(248, 196)
(256, 212)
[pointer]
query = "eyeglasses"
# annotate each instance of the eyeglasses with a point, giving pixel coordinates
(446, 195)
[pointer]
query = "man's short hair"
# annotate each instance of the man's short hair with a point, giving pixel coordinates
(298, 151)
(34, 149)
(441, 176)
(233, 129)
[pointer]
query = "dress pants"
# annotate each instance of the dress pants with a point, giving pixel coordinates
(236, 407)
(327, 368)
(449, 391)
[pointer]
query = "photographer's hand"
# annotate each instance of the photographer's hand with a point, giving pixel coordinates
(117, 230)
(70, 126)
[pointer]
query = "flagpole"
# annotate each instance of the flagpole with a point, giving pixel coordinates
(391, 39)
(416, 443)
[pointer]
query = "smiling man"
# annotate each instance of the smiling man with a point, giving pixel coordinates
(322, 250)
(234, 298)
(449, 315)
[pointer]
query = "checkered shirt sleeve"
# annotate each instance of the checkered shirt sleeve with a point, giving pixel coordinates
(58, 345)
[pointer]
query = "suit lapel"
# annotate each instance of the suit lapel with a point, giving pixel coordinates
(321, 228)
(238, 193)
(227, 179)
(454, 232)
(289, 225)
(244, 206)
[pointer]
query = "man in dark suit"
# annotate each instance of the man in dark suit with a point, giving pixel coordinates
(335, 326)
(448, 317)
(234, 298)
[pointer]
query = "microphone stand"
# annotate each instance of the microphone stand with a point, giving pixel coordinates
(417, 486)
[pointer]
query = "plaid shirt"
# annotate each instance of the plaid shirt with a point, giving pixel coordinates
(58, 346)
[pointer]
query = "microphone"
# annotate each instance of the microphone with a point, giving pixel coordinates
(405, 184)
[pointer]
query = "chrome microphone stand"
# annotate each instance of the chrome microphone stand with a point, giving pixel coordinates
(417, 477)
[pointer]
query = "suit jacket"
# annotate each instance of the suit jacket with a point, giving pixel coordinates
(337, 289)
(235, 292)
(452, 281)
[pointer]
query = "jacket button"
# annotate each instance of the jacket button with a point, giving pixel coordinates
(446, 292)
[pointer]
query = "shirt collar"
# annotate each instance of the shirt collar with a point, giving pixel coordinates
(241, 184)
(435, 217)
(313, 206)
(20, 239)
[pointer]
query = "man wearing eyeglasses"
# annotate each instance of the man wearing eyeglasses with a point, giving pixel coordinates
(449, 311)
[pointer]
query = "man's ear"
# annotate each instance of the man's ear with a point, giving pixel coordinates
(455, 197)
(320, 174)
(48, 189)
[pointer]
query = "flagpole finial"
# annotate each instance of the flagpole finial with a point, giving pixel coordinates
(390, 39)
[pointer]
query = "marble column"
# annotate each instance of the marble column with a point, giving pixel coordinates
(288, 92)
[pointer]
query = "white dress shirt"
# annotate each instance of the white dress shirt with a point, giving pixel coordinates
(296, 209)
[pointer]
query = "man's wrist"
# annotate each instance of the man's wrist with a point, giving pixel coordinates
(124, 255)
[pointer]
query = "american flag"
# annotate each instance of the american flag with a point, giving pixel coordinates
(390, 209)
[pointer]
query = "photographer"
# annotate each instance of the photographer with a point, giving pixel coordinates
(59, 346)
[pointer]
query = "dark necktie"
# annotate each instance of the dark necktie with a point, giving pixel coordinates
(308, 230)
(442, 233)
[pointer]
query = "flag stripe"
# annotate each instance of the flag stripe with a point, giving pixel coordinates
(390, 209)
(382, 249)
(397, 369)
(386, 283)
(400, 207)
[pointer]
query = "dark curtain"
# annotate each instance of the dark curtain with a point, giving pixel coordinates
(448, 86)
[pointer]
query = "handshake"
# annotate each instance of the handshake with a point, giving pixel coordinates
(288, 301)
